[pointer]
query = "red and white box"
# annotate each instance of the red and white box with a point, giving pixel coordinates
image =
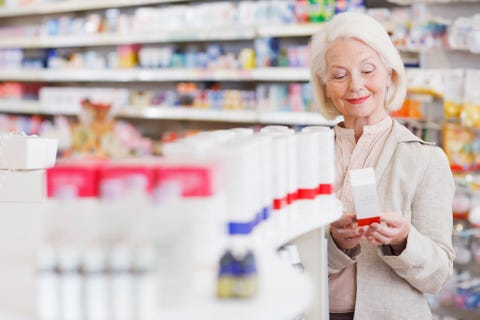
(365, 198)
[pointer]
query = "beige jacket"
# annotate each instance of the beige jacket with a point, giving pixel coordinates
(414, 178)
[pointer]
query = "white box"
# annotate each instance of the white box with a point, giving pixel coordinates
(20, 152)
(22, 186)
(365, 198)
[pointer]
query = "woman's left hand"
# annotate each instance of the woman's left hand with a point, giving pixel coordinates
(392, 231)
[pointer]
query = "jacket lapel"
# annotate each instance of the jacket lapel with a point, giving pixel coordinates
(399, 134)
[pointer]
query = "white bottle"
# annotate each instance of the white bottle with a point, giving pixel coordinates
(169, 231)
(121, 279)
(145, 274)
(47, 285)
(97, 295)
(71, 284)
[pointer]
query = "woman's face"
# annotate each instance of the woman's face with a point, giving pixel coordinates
(356, 80)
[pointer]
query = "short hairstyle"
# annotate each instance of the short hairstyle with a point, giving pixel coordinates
(368, 30)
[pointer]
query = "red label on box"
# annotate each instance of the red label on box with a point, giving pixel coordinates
(367, 221)
(82, 177)
(196, 181)
(126, 171)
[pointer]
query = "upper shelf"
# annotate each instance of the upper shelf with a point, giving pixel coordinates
(183, 113)
(74, 5)
(441, 2)
(157, 75)
(167, 36)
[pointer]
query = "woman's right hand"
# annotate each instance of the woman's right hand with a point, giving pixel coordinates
(345, 231)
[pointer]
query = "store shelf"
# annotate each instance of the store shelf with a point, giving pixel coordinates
(283, 292)
(20, 106)
(91, 40)
(293, 225)
(280, 74)
(74, 5)
(298, 30)
(294, 118)
(185, 113)
(157, 75)
(179, 113)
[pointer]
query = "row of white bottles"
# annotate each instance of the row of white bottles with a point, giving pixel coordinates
(123, 261)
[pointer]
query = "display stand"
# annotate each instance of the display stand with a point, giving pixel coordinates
(284, 293)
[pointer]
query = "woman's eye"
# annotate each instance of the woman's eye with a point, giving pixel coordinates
(338, 76)
(368, 70)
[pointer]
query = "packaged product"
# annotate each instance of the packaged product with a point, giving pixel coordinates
(470, 114)
(453, 95)
(457, 144)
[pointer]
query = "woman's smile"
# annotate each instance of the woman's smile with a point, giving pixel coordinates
(358, 100)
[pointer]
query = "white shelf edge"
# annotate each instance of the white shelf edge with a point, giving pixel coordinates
(184, 113)
(293, 30)
(20, 106)
(294, 118)
(75, 5)
(206, 34)
(431, 2)
(281, 74)
(294, 225)
(167, 74)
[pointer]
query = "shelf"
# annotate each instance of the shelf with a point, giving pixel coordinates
(225, 33)
(20, 106)
(157, 75)
(178, 113)
(292, 226)
(166, 36)
(296, 30)
(280, 74)
(74, 5)
(294, 118)
(283, 292)
(186, 113)
(432, 2)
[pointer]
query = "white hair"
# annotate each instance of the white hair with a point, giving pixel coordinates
(368, 30)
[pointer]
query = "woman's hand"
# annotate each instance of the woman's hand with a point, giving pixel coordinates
(345, 231)
(392, 231)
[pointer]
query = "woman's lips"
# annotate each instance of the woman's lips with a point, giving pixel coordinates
(357, 100)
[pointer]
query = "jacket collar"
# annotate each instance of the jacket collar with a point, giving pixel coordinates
(399, 134)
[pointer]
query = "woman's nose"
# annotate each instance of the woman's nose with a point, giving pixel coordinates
(356, 82)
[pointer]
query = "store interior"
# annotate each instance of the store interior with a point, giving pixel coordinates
(115, 113)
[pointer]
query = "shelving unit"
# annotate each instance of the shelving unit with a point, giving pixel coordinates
(147, 77)
(284, 293)
(75, 5)
(157, 75)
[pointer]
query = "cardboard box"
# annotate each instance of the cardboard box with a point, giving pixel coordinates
(22, 186)
(365, 198)
(19, 152)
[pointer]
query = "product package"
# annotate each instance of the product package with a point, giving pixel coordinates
(365, 198)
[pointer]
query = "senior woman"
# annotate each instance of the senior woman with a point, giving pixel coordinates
(383, 270)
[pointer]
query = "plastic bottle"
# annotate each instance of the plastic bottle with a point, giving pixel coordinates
(97, 293)
(47, 285)
(71, 284)
(122, 283)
